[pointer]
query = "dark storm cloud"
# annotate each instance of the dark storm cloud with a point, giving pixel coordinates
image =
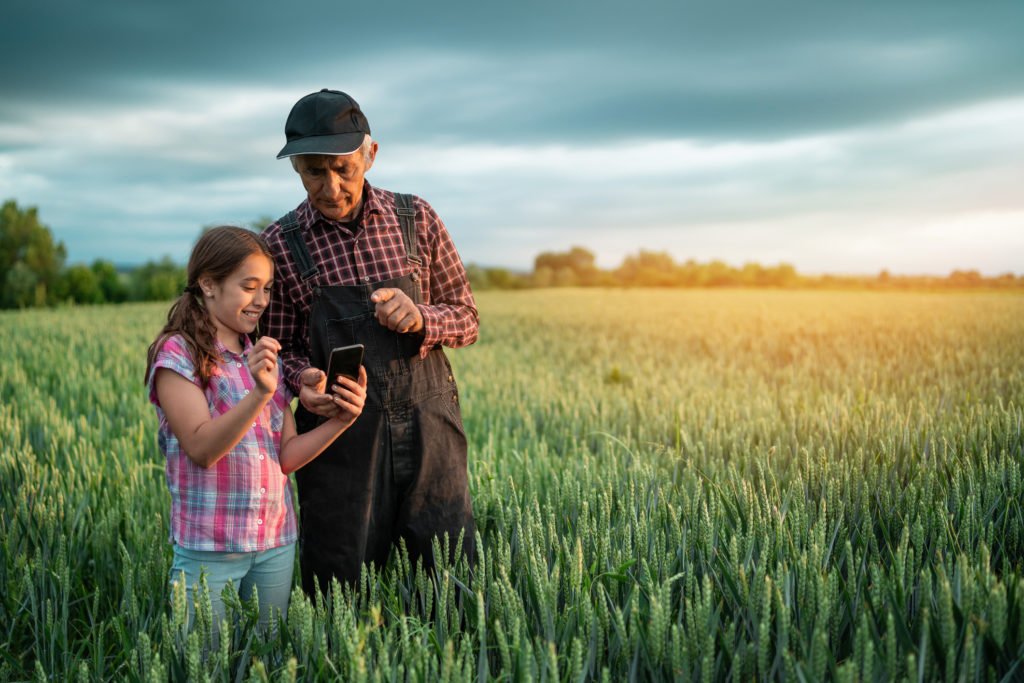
(530, 125)
(571, 71)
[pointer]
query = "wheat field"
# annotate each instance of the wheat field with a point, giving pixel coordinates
(668, 485)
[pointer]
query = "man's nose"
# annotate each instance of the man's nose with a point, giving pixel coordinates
(332, 184)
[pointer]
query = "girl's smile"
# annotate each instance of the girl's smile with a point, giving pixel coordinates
(237, 302)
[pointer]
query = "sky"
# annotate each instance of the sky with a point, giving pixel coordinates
(840, 138)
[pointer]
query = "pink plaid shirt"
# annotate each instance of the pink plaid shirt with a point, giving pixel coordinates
(244, 502)
(369, 251)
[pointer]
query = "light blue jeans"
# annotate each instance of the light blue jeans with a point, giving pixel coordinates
(268, 571)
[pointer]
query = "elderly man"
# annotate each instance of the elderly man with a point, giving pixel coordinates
(357, 264)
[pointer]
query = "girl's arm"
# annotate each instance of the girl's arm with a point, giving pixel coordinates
(207, 439)
(204, 439)
(298, 449)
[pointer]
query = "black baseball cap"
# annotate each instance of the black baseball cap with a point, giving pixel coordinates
(325, 122)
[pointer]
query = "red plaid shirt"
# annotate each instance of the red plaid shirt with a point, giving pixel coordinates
(370, 250)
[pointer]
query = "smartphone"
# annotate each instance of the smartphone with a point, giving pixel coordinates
(345, 360)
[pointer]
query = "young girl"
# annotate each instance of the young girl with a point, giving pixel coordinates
(226, 429)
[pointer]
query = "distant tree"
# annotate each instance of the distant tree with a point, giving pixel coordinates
(500, 278)
(573, 267)
(79, 283)
(110, 282)
(720, 274)
(565, 276)
(648, 269)
(543, 276)
(782, 275)
(30, 261)
(22, 288)
(965, 278)
(478, 279)
(157, 280)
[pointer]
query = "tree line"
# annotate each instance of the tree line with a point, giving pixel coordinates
(577, 268)
(33, 272)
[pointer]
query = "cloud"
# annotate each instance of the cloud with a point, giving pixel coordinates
(804, 133)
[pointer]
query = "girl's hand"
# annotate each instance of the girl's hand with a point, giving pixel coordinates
(350, 397)
(263, 364)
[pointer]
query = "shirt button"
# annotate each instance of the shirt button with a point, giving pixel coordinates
(263, 490)
(366, 279)
(238, 364)
(262, 456)
(246, 392)
(259, 521)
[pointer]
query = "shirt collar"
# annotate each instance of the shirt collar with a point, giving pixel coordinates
(225, 352)
(371, 205)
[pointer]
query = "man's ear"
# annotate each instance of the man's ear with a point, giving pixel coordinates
(372, 155)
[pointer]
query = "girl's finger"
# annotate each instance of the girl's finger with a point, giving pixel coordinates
(348, 396)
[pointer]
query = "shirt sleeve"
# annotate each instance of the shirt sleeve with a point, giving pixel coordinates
(449, 316)
(173, 355)
(285, 318)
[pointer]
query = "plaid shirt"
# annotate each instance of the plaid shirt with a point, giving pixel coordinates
(244, 502)
(368, 251)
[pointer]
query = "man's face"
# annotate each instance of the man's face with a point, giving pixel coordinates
(335, 183)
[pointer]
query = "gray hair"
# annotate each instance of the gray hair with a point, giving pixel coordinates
(364, 148)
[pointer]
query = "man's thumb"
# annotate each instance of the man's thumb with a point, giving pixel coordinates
(382, 295)
(312, 376)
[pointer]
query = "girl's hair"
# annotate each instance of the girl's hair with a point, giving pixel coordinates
(216, 254)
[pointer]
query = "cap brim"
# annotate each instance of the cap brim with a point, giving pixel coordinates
(338, 145)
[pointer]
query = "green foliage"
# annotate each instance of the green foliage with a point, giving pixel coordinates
(79, 284)
(706, 485)
(576, 268)
(30, 261)
(493, 278)
(158, 281)
(110, 282)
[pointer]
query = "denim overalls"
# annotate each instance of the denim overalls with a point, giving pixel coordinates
(400, 470)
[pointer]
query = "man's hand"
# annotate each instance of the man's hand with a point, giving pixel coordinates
(396, 311)
(311, 394)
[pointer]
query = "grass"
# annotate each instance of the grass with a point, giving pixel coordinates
(668, 484)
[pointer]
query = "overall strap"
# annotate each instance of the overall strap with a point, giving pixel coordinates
(407, 217)
(292, 234)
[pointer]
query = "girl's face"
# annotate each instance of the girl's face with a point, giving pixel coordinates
(236, 302)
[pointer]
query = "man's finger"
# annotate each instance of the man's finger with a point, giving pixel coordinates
(400, 320)
(383, 294)
(386, 308)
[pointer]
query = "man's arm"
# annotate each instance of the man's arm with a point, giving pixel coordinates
(449, 316)
(285, 318)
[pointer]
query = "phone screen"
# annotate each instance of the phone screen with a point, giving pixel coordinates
(345, 360)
